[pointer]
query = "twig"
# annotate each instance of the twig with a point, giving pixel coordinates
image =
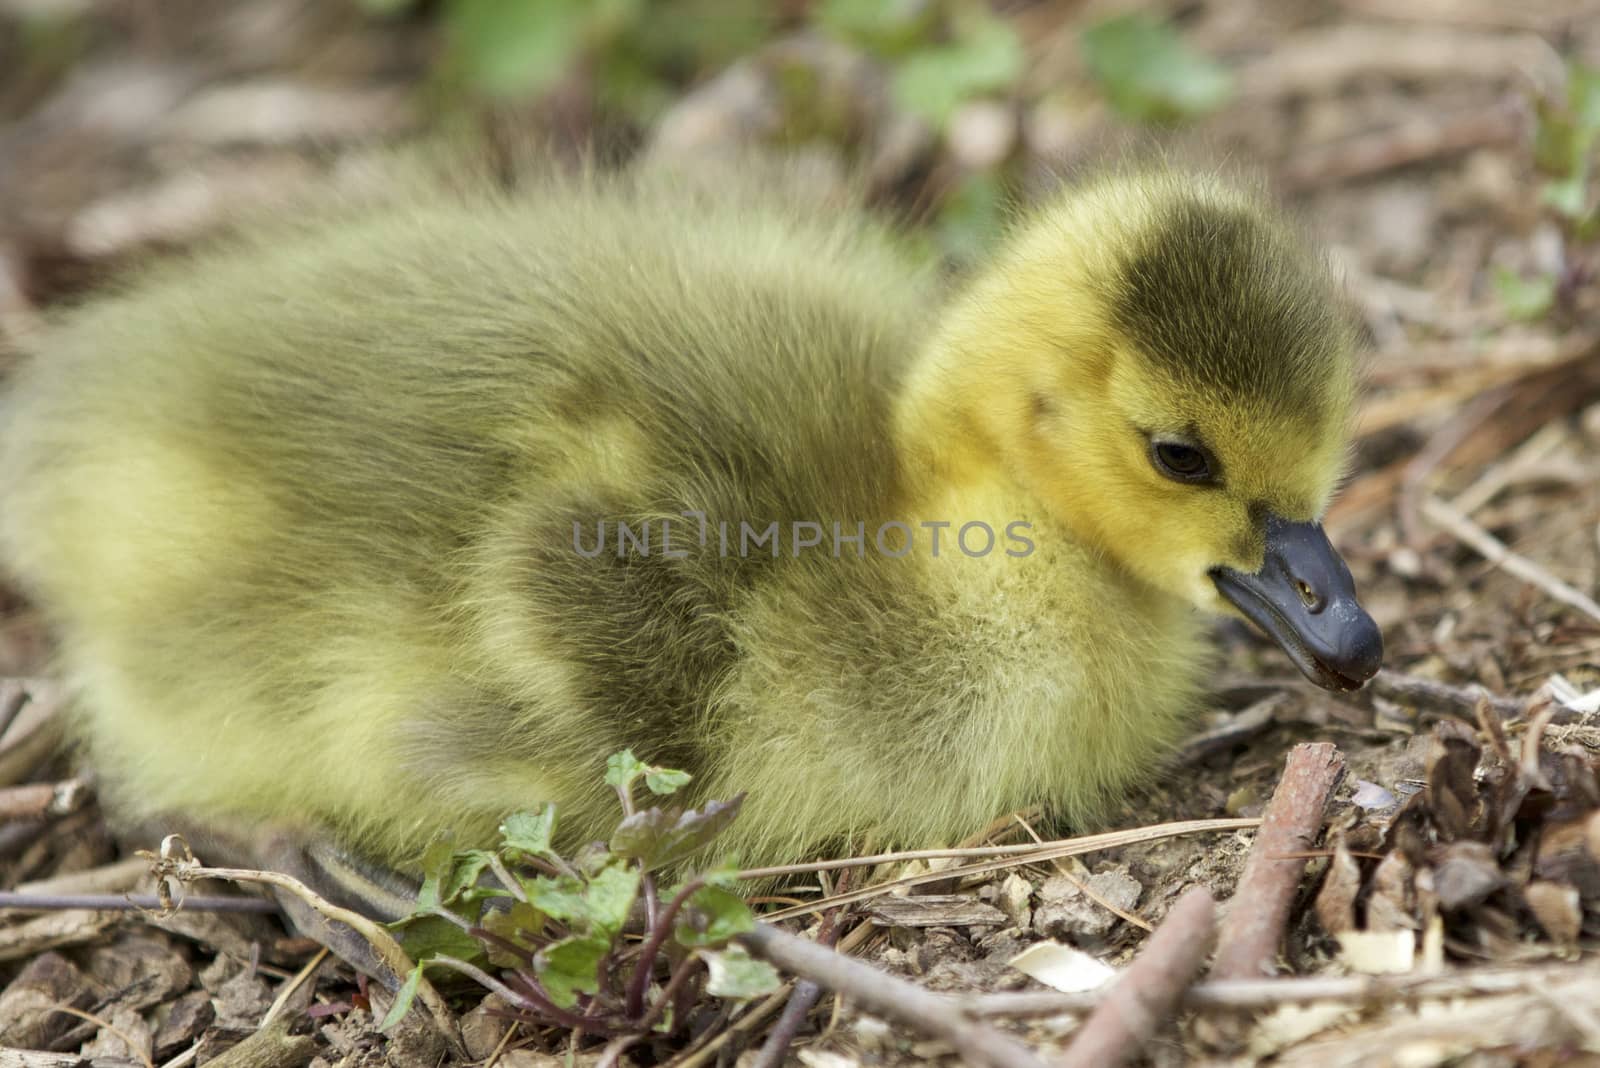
(1145, 996)
(1524, 1021)
(43, 800)
(176, 861)
(1085, 889)
(1503, 473)
(890, 997)
(753, 1018)
(16, 899)
(1440, 698)
(801, 1002)
(1252, 994)
(1092, 843)
(802, 999)
(135, 1049)
(1256, 915)
(1242, 725)
(1419, 472)
(1011, 857)
(271, 1046)
(293, 985)
(1495, 551)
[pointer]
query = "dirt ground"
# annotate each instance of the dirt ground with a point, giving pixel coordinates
(1425, 143)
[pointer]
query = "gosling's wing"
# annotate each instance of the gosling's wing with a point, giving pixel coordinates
(267, 493)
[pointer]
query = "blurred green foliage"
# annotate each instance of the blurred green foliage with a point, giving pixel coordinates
(1149, 75)
(940, 56)
(937, 55)
(639, 52)
(36, 52)
(1524, 299)
(1565, 139)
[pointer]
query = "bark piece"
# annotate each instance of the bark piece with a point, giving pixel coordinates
(935, 910)
(27, 1007)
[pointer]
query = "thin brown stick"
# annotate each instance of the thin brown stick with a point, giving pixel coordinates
(1091, 842)
(24, 902)
(135, 1049)
(1260, 907)
(1440, 698)
(177, 862)
(1254, 994)
(293, 984)
(804, 998)
(1495, 551)
(1015, 856)
(1419, 472)
(43, 800)
(1146, 995)
(753, 1018)
(1085, 889)
(885, 995)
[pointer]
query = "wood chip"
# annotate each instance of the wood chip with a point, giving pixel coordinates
(935, 910)
(28, 1015)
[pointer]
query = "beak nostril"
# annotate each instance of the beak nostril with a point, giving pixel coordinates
(1308, 596)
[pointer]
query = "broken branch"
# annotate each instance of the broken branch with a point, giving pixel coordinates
(1260, 907)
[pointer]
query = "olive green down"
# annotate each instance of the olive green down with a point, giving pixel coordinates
(301, 508)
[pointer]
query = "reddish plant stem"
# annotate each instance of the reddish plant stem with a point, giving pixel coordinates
(679, 977)
(640, 982)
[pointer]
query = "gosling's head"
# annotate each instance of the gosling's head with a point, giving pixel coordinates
(1170, 371)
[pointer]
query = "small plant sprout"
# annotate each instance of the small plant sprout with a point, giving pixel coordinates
(586, 942)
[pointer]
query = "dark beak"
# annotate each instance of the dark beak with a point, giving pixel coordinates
(1305, 599)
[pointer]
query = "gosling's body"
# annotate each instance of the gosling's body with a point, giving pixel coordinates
(303, 513)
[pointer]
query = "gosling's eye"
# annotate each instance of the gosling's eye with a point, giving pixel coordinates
(1181, 461)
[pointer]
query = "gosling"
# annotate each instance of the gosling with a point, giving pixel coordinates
(395, 524)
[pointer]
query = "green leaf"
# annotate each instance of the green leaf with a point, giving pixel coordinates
(438, 864)
(665, 781)
(736, 974)
(610, 897)
(1583, 96)
(1568, 196)
(469, 865)
(1525, 298)
(530, 832)
(713, 918)
(724, 875)
(1148, 74)
(520, 925)
(1564, 143)
(985, 59)
(561, 897)
(402, 999)
(571, 967)
(658, 838)
(509, 47)
(886, 28)
(385, 7)
(423, 937)
(623, 768)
